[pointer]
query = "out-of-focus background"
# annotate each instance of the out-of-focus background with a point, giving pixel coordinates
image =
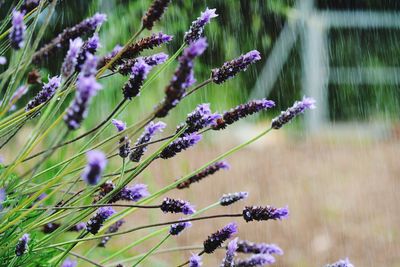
(337, 167)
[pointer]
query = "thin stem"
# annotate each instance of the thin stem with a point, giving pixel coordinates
(204, 83)
(99, 205)
(151, 250)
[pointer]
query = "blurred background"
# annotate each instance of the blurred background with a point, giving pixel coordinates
(337, 167)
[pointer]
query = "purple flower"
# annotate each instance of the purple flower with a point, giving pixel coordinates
(104, 60)
(265, 213)
(71, 59)
(297, 108)
(29, 5)
(213, 168)
(139, 73)
(153, 60)
(195, 261)
(69, 263)
(124, 143)
(3, 196)
(199, 119)
(215, 240)
(86, 88)
(258, 248)
(96, 222)
(112, 229)
(230, 254)
(242, 111)
(3, 60)
(177, 206)
(177, 228)
(154, 13)
(229, 199)
(182, 79)
(47, 92)
(88, 26)
(22, 245)
(50, 227)
(78, 227)
(231, 68)
(196, 30)
(133, 193)
(17, 32)
(182, 143)
(256, 260)
(89, 67)
(96, 163)
(341, 263)
(150, 130)
(89, 48)
(104, 189)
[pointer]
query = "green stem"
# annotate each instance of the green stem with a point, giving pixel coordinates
(151, 250)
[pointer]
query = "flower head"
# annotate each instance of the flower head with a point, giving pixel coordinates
(112, 229)
(150, 130)
(199, 119)
(154, 13)
(242, 111)
(89, 66)
(133, 193)
(139, 73)
(256, 260)
(78, 227)
(29, 5)
(71, 59)
(341, 263)
(124, 142)
(213, 168)
(297, 108)
(231, 68)
(258, 248)
(265, 213)
(182, 143)
(22, 245)
(96, 163)
(182, 79)
(152, 61)
(215, 240)
(69, 263)
(177, 228)
(230, 254)
(197, 28)
(96, 222)
(86, 89)
(47, 92)
(229, 199)
(177, 206)
(195, 261)
(17, 32)
(50, 227)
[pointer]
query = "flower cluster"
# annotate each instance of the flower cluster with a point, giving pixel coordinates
(341, 263)
(135, 82)
(177, 206)
(180, 144)
(153, 60)
(112, 229)
(96, 164)
(47, 92)
(229, 199)
(71, 59)
(197, 28)
(177, 228)
(258, 248)
(264, 213)
(255, 260)
(96, 222)
(124, 142)
(228, 261)
(154, 13)
(215, 240)
(22, 245)
(17, 33)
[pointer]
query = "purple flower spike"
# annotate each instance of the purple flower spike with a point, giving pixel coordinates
(341, 263)
(112, 229)
(258, 248)
(17, 32)
(150, 130)
(96, 222)
(78, 227)
(152, 61)
(230, 254)
(177, 228)
(242, 111)
(183, 78)
(133, 193)
(86, 89)
(22, 245)
(182, 143)
(177, 206)
(196, 30)
(154, 13)
(88, 26)
(229, 199)
(231, 68)
(71, 59)
(199, 119)
(220, 165)
(297, 108)
(89, 68)
(256, 260)
(124, 143)
(195, 261)
(48, 91)
(89, 48)
(29, 5)
(265, 213)
(139, 74)
(69, 263)
(97, 162)
(215, 240)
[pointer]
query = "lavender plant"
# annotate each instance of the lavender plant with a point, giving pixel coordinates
(81, 193)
